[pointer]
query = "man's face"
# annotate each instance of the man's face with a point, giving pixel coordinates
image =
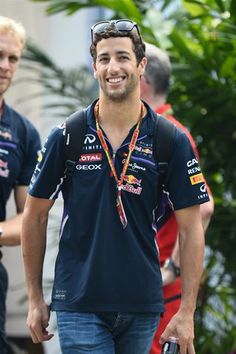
(10, 52)
(116, 68)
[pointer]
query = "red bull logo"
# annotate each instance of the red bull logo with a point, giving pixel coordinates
(143, 150)
(132, 180)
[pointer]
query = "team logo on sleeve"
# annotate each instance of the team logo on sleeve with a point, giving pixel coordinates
(203, 190)
(40, 156)
(192, 162)
(5, 133)
(198, 178)
(4, 170)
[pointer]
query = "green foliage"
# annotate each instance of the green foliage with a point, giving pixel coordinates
(203, 54)
(215, 315)
(200, 37)
(121, 7)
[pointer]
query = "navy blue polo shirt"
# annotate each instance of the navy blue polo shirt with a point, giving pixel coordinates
(101, 266)
(19, 146)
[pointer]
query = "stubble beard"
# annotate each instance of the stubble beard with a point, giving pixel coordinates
(4, 87)
(123, 94)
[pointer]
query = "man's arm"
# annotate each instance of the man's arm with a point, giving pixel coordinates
(206, 210)
(191, 243)
(34, 228)
(11, 228)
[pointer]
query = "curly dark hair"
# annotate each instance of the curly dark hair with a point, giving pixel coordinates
(111, 31)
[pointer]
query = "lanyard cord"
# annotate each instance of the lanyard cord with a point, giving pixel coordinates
(131, 146)
(119, 204)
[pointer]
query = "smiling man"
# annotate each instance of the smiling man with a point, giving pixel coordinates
(19, 144)
(107, 291)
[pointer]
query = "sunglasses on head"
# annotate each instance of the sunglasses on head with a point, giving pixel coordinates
(121, 25)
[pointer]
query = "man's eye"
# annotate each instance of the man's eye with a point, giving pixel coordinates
(13, 59)
(103, 60)
(124, 57)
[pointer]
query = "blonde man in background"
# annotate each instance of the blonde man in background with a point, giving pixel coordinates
(19, 144)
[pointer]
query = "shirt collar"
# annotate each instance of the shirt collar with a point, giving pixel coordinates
(147, 123)
(6, 115)
(90, 113)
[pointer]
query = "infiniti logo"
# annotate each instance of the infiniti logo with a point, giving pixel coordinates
(89, 139)
(203, 188)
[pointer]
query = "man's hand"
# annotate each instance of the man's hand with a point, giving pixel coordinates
(37, 321)
(181, 326)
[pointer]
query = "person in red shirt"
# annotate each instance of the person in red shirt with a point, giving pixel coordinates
(154, 89)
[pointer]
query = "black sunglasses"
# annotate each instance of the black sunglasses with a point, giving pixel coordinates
(121, 25)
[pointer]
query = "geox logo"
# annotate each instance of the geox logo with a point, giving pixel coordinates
(89, 167)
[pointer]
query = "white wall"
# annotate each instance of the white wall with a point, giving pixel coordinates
(66, 40)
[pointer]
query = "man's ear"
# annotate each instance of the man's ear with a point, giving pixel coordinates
(94, 71)
(142, 65)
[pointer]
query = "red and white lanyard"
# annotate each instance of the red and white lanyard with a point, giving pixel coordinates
(119, 204)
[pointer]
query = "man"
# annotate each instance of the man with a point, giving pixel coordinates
(19, 143)
(154, 90)
(107, 290)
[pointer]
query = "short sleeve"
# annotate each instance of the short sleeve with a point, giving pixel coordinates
(31, 150)
(48, 175)
(185, 182)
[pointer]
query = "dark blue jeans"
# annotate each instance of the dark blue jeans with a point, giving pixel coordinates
(106, 333)
(3, 293)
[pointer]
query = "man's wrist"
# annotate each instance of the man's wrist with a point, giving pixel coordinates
(170, 264)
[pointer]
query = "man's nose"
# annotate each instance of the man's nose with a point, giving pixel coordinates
(113, 66)
(4, 63)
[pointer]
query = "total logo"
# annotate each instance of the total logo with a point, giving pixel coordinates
(91, 157)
